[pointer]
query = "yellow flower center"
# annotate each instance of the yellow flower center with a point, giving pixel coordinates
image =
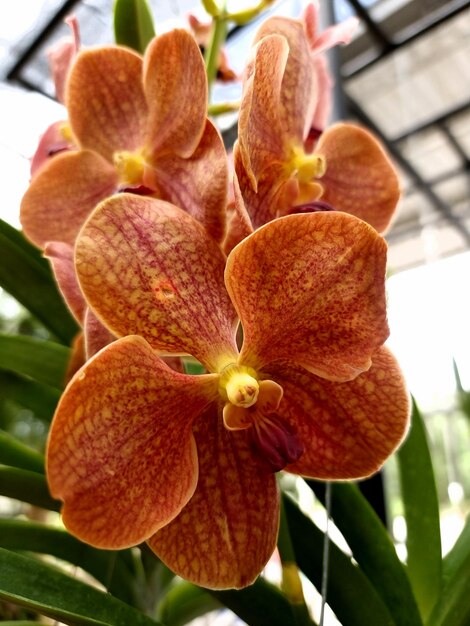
(307, 166)
(130, 167)
(66, 132)
(238, 384)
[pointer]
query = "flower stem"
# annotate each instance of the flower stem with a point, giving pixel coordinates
(291, 583)
(224, 107)
(218, 36)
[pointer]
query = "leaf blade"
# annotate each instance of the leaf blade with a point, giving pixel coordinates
(421, 505)
(133, 24)
(44, 361)
(32, 283)
(373, 549)
(34, 584)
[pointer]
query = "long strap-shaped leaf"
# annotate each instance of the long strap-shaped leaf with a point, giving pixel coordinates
(421, 505)
(16, 454)
(107, 567)
(373, 549)
(262, 604)
(44, 361)
(453, 606)
(184, 602)
(133, 24)
(350, 594)
(39, 398)
(27, 277)
(26, 486)
(31, 583)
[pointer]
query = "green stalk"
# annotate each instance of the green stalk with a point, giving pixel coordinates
(218, 36)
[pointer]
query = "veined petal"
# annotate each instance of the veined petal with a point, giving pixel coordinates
(96, 335)
(150, 269)
(360, 178)
(198, 184)
(348, 429)
(299, 89)
(261, 134)
(105, 100)
(227, 532)
(176, 90)
(63, 194)
(61, 258)
(121, 454)
(274, 196)
(311, 289)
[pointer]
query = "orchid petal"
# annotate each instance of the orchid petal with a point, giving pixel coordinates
(299, 89)
(310, 288)
(97, 336)
(348, 429)
(61, 258)
(274, 196)
(239, 223)
(148, 268)
(261, 134)
(360, 178)
(62, 55)
(176, 90)
(105, 100)
(341, 33)
(63, 194)
(199, 183)
(227, 532)
(77, 357)
(52, 142)
(121, 454)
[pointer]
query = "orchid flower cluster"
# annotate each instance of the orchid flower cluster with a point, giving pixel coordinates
(271, 277)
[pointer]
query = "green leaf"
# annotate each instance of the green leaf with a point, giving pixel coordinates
(26, 486)
(106, 566)
(373, 549)
(133, 24)
(262, 604)
(39, 398)
(14, 453)
(26, 275)
(421, 506)
(33, 584)
(184, 602)
(453, 606)
(44, 361)
(350, 594)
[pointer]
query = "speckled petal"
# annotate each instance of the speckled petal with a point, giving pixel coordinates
(176, 90)
(61, 258)
(96, 335)
(311, 289)
(348, 429)
(261, 135)
(121, 454)
(228, 530)
(105, 100)
(150, 269)
(199, 183)
(63, 194)
(360, 178)
(299, 89)
(275, 192)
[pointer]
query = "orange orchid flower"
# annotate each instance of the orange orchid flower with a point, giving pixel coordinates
(140, 124)
(139, 452)
(348, 169)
